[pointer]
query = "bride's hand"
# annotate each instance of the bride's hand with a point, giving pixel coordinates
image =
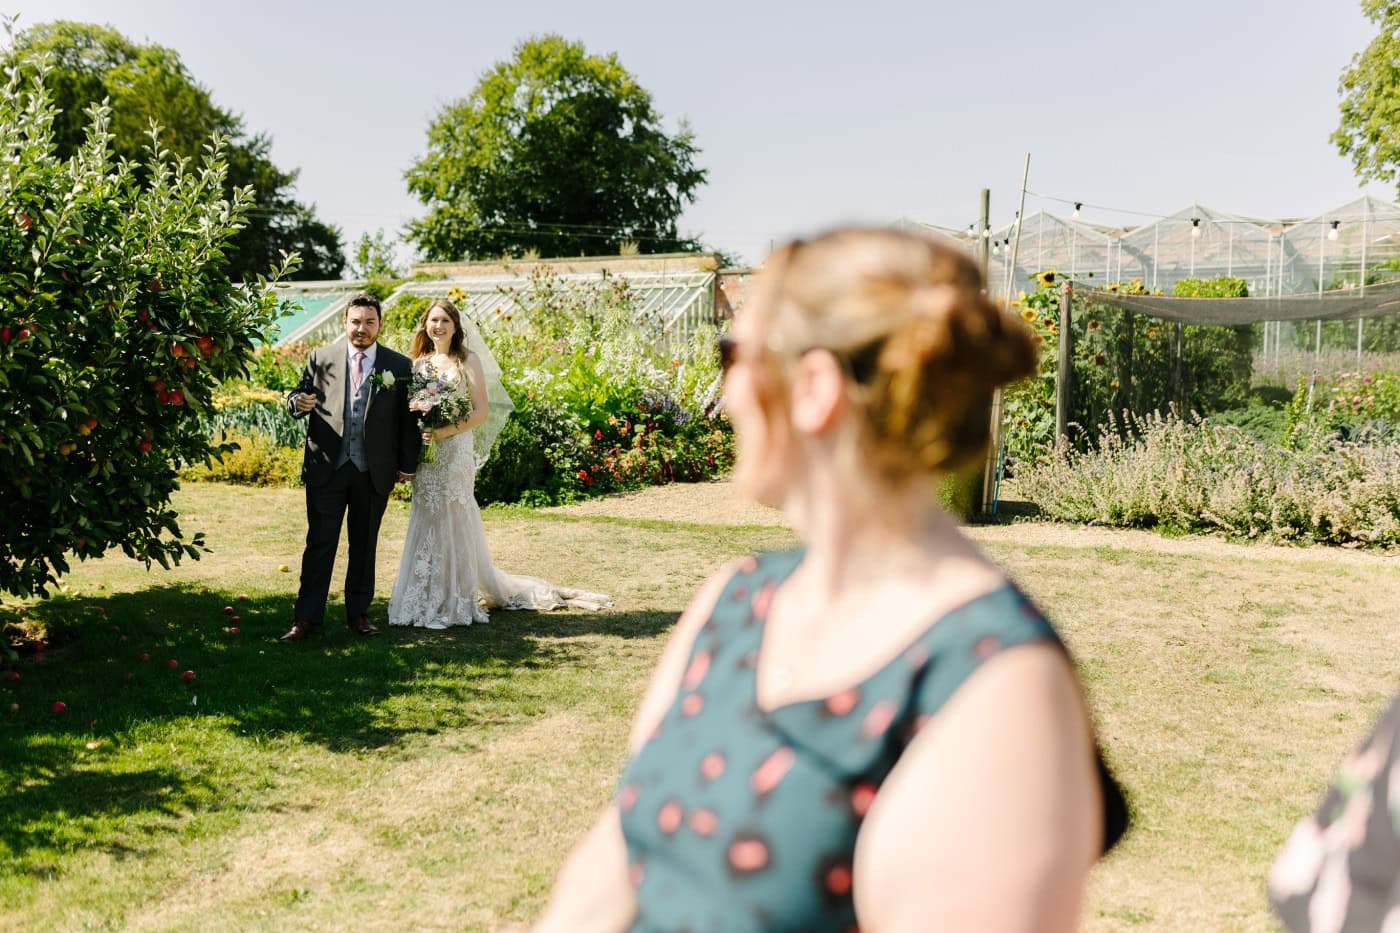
(429, 435)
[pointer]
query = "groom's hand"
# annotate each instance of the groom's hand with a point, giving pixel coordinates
(405, 477)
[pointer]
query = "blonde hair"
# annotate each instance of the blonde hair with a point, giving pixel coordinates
(921, 343)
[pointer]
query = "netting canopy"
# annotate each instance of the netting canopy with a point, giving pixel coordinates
(1345, 304)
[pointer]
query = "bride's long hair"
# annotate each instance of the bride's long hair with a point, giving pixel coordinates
(423, 344)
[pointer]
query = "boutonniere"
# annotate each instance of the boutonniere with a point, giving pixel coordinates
(382, 380)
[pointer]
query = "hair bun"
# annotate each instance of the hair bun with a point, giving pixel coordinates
(945, 346)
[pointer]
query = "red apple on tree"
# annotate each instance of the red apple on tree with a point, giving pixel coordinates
(59, 707)
(172, 664)
(145, 656)
(187, 677)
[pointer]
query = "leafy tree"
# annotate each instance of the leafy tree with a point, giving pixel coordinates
(556, 151)
(118, 316)
(149, 83)
(1369, 132)
(374, 258)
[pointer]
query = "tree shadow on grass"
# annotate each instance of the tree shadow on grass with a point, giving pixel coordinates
(339, 691)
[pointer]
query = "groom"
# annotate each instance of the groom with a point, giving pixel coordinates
(360, 438)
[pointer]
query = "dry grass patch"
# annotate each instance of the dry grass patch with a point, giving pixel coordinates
(436, 780)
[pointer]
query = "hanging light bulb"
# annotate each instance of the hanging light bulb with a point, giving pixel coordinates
(1078, 206)
(1332, 234)
(1195, 226)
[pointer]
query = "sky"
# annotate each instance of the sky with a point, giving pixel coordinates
(815, 114)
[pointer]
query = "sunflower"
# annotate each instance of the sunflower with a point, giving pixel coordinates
(1094, 325)
(1028, 315)
(1113, 286)
(1100, 359)
(1151, 333)
(1046, 278)
(1113, 385)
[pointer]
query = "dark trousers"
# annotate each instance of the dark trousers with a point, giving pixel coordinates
(326, 505)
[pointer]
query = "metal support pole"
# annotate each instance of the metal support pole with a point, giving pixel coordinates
(998, 415)
(1365, 241)
(1321, 277)
(984, 242)
(1156, 247)
(1064, 373)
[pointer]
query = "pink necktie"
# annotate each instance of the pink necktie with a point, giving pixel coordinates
(359, 369)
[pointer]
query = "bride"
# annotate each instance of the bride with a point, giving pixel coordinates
(446, 576)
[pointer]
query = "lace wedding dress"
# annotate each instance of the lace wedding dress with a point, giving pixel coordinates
(446, 576)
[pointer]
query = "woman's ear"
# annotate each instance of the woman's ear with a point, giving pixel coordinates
(817, 393)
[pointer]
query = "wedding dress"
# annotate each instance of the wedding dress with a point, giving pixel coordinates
(446, 576)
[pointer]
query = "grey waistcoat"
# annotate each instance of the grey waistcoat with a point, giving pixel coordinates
(352, 449)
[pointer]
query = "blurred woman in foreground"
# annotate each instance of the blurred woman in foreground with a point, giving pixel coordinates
(877, 729)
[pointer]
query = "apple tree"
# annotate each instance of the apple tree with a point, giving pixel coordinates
(118, 318)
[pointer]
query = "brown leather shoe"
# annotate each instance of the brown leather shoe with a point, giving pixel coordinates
(300, 631)
(360, 626)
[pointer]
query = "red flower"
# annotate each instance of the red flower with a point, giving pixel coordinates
(598, 435)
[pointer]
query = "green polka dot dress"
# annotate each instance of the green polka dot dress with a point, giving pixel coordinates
(738, 819)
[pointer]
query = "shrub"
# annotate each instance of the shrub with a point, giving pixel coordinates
(535, 458)
(250, 458)
(605, 400)
(1125, 363)
(118, 319)
(1192, 476)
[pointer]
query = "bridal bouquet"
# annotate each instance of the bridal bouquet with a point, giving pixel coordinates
(439, 401)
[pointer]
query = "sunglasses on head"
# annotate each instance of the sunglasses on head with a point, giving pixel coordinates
(859, 364)
(728, 352)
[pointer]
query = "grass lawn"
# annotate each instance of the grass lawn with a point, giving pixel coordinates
(435, 780)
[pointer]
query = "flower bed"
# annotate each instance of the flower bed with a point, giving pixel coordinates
(605, 400)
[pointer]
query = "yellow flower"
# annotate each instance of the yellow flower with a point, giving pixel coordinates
(1113, 385)
(1094, 325)
(1151, 333)
(1113, 286)
(1021, 297)
(1028, 315)
(1046, 278)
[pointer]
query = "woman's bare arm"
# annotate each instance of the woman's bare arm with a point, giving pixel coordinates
(992, 818)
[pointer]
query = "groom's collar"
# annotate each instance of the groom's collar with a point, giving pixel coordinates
(370, 353)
